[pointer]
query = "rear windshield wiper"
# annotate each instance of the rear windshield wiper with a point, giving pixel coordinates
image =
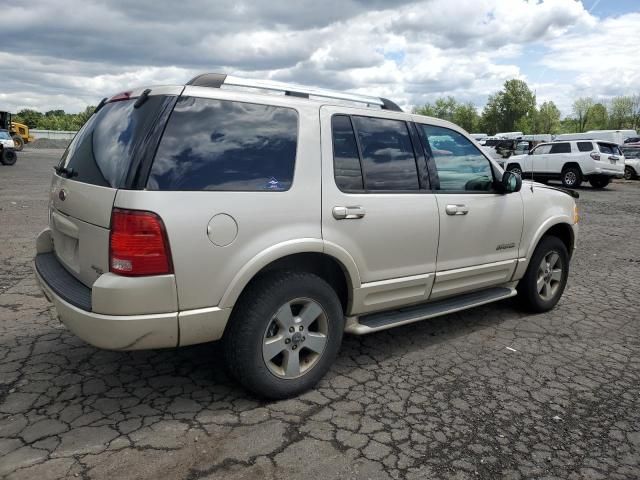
(66, 172)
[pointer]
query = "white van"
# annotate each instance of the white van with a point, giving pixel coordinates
(613, 136)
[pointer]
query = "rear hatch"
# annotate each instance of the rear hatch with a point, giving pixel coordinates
(113, 150)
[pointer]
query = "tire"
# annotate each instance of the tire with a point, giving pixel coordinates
(8, 157)
(262, 365)
(599, 182)
(515, 168)
(541, 288)
(629, 173)
(18, 142)
(571, 177)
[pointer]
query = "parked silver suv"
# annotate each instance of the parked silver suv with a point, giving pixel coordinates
(277, 217)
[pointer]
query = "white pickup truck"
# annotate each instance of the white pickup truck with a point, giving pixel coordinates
(572, 162)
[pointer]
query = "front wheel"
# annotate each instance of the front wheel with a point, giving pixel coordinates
(8, 157)
(571, 177)
(546, 277)
(599, 182)
(629, 173)
(284, 334)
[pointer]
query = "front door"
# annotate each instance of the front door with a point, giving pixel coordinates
(376, 206)
(480, 229)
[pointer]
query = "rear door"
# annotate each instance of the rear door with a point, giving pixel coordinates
(101, 159)
(376, 203)
(480, 229)
(559, 155)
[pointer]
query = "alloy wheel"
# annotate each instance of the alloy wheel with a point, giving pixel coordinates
(295, 338)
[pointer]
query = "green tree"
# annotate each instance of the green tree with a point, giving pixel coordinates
(548, 118)
(28, 117)
(581, 108)
(597, 117)
(448, 108)
(512, 108)
(517, 106)
(621, 112)
(81, 118)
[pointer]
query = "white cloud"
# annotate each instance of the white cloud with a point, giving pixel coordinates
(411, 52)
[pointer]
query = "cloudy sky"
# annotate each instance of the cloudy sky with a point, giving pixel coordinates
(70, 53)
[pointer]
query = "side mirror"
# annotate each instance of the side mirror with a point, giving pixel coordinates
(511, 182)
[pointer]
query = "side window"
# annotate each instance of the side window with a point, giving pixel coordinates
(560, 148)
(585, 146)
(224, 145)
(346, 161)
(459, 164)
(388, 161)
(542, 150)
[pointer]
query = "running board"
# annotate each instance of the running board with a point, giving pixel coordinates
(375, 322)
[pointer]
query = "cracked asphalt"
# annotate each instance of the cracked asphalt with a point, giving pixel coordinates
(488, 393)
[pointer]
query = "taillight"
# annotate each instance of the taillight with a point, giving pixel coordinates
(595, 155)
(120, 97)
(138, 244)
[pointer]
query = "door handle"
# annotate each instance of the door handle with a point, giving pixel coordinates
(456, 209)
(348, 213)
(614, 158)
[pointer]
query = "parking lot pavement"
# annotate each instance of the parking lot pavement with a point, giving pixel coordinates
(482, 394)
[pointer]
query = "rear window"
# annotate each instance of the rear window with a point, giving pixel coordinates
(560, 148)
(103, 150)
(225, 145)
(585, 146)
(609, 148)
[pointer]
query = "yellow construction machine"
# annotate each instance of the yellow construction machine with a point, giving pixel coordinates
(19, 131)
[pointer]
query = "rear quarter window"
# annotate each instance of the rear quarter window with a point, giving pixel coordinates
(585, 146)
(213, 144)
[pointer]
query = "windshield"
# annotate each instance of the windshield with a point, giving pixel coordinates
(5, 136)
(103, 150)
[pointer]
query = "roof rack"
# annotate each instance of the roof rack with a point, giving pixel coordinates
(217, 80)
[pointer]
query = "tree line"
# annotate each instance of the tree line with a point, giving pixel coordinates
(514, 108)
(53, 119)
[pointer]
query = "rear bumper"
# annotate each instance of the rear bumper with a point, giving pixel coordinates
(75, 304)
(113, 332)
(608, 169)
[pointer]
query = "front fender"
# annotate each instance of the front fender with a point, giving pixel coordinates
(546, 226)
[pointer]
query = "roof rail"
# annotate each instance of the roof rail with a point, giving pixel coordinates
(217, 80)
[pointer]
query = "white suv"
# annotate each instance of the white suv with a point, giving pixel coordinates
(275, 222)
(571, 162)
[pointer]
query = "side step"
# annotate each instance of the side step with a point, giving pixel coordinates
(374, 322)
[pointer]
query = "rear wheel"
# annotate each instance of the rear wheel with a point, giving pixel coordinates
(546, 277)
(18, 142)
(284, 334)
(629, 173)
(571, 177)
(8, 157)
(599, 182)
